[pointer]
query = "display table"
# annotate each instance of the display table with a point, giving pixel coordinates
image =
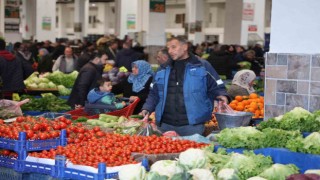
(284, 156)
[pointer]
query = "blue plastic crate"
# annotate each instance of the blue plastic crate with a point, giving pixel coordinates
(33, 113)
(37, 176)
(10, 174)
(53, 115)
(33, 145)
(7, 162)
(33, 167)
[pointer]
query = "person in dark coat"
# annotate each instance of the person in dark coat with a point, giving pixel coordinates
(126, 56)
(11, 70)
(86, 55)
(112, 49)
(87, 79)
(22, 52)
(45, 61)
(183, 91)
(137, 84)
(222, 61)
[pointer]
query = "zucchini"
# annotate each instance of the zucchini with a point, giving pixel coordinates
(106, 116)
(137, 116)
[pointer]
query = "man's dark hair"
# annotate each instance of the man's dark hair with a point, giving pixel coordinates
(103, 80)
(164, 51)
(97, 54)
(181, 39)
(2, 44)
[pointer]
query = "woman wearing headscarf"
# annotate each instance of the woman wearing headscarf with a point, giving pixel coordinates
(45, 62)
(138, 83)
(242, 84)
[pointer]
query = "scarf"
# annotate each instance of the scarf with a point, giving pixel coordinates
(7, 55)
(139, 80)
(243, 78)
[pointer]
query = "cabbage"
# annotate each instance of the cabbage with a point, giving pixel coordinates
(256, 178)
(166, 168)
(241, 137)
(201, 174)
(132, 172)
(228, 174)
(248, 164)
(43, 85)
(279, 171)
(51, 85)
(44, 80)
(63, 90)
(313, 171)
(310, 144)
(192, 158)
(32, 86)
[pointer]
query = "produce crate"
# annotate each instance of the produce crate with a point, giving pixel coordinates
(6, 161)
(33, 145)
(10, 174)
(284, 156)
(53, 115)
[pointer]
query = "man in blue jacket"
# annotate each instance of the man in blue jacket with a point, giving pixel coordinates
(183, 91)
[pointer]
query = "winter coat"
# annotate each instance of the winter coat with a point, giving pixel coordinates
(86, 80)
(201, 86)
(125, 57)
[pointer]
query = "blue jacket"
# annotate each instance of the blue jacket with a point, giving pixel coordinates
(201, 86)
(96, 96)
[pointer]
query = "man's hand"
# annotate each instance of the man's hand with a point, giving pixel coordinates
(223, 98)
(144, 113)
(77, 106)
(132, 98)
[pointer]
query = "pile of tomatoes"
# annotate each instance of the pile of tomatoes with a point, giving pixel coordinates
(91, 146)
(115, 149)
(35, 128)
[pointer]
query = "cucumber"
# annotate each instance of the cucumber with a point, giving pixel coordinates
(109, 125)
(137, 116)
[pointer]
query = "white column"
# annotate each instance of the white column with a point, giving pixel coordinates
(79, 18)
(104, 17)
(294, 28)
(126, 17)
(194, 18)
(2, 4)
(46, 20)
(256, 24)
(62, 9)
(244, 18)
(27, 19)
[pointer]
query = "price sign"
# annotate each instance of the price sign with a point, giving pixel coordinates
(158, 6)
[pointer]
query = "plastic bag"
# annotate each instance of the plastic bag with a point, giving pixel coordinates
(149, 128)
(223, 107)
(10, 109)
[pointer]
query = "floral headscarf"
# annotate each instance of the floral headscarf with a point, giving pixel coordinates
(139, 80)
(243, 78)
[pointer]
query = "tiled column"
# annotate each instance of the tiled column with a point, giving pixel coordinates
(292, 80)
(293, 63)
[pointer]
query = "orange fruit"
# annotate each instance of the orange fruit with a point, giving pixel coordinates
(254, 105)
(238, 98)
(234, 102)
(240, 107)
(253, 96)
(233, 105)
